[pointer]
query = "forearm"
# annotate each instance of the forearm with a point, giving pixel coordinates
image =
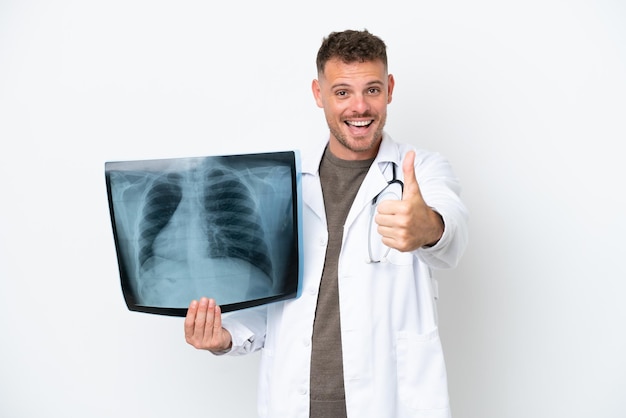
(441, 190)
(447, 251)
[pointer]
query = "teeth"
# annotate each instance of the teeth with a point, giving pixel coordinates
(359, 122)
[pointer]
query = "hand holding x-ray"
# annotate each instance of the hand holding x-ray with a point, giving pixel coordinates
(410, 223)
(203, 326)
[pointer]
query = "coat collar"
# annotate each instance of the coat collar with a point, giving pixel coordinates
(388, 152)
(376, 179)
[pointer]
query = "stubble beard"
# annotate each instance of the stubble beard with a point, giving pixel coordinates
(358, 145)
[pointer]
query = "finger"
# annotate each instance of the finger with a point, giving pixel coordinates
(411, 188)
(217, 322)
(209, 322)
(190, 319)
(386, 216)
(200, 322)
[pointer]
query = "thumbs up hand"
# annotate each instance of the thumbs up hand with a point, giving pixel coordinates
(410, 223)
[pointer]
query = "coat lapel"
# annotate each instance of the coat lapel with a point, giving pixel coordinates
(377, 177)
(311, 187)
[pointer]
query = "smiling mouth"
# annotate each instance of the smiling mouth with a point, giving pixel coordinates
(359, 123)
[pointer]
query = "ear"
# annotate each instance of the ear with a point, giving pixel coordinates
(391, 82)
(317, 93)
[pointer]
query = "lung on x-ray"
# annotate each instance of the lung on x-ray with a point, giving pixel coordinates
(226, 227)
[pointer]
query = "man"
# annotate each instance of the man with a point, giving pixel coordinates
(362, 339)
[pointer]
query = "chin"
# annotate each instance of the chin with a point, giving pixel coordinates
(361, 144)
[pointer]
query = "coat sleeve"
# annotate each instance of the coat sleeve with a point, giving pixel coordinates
(441, 191)
(247, 329)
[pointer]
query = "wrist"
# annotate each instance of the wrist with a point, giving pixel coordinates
(438, 228)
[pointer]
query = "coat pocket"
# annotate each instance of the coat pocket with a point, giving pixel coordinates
(421, 371)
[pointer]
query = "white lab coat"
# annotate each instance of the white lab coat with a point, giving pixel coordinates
(392, 355)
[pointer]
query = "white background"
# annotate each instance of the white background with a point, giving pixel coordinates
(526, 98)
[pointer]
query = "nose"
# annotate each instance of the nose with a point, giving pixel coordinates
(360, 104)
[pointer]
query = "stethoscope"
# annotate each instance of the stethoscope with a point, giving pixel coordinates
(393, 190)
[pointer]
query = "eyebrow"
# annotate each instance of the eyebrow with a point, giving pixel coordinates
(370, 84)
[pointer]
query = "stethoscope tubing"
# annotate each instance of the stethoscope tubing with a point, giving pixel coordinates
(394, 180)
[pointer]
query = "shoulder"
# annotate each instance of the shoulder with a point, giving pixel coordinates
(396, 151)
(311, 155)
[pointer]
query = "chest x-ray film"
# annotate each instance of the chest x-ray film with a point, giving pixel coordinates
(225, 227)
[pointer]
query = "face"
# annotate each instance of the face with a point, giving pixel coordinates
(354, 98)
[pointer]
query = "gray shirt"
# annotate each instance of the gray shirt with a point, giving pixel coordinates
(340, 180)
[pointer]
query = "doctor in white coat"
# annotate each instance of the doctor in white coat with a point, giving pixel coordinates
(390, 358)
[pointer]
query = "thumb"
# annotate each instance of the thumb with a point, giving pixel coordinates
(411, 188)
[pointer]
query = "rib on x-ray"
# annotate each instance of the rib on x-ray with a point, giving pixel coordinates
(226, 227)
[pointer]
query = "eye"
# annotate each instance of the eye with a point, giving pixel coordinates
(341, 93)
(374, 90)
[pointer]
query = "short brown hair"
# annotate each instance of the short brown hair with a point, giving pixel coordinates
(351, 46)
